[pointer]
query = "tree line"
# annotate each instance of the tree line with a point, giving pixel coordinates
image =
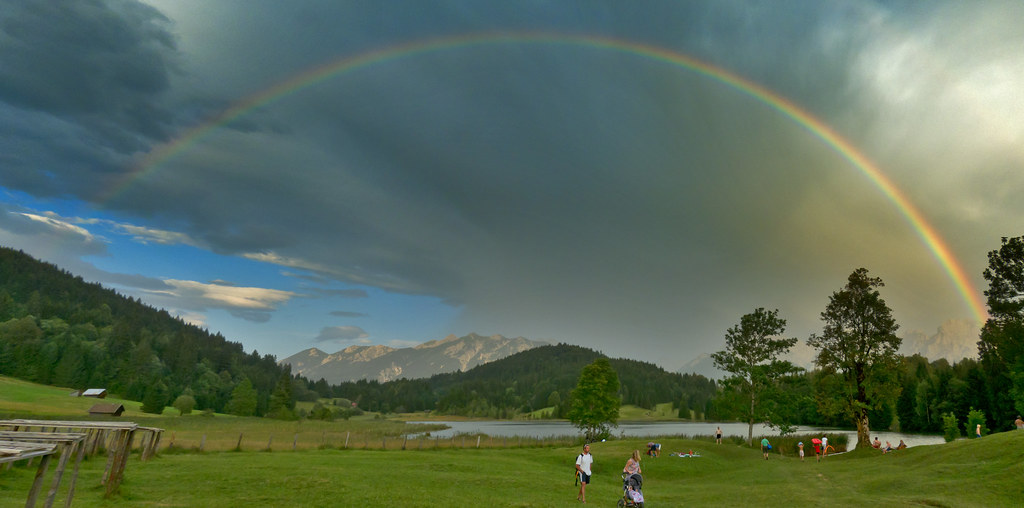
(57, 329)
(861, 381)
(536, 379)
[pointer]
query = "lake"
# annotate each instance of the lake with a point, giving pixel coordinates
(542, 429)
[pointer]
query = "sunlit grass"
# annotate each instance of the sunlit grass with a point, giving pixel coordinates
(502, 472)
(984, 472)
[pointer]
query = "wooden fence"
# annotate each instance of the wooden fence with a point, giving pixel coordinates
(70, 438)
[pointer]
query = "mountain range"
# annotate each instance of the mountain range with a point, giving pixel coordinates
(383, 363)
(955, 340)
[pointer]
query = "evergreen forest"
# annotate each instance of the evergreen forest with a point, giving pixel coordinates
(57, 329)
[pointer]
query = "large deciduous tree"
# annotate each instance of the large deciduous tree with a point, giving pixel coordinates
(751, 357)
(595, 400)
(1001, 345)
(857, 353)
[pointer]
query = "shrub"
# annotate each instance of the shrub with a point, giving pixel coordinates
(950, 427)
(184, 404)
(974, 418)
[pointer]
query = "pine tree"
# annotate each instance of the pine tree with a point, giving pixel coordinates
(243, 399)
(155, 399)
(281, 401)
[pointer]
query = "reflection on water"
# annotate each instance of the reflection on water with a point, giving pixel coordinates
(561, 428)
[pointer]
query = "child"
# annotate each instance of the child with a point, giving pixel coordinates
(817, 451)
(801, 446)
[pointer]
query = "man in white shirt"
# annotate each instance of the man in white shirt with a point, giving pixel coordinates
(583, 463)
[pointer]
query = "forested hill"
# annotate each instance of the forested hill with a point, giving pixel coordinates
(534, 379)
(57, 329)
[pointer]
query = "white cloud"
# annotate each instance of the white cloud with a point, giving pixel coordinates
(59, 225)
(193, 318)
(270, 257)
(342, 333)
(228, 297)
(152, 235)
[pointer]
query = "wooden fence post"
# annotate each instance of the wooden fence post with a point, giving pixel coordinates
(346, 438)
(239, 445)
(295, 441)
(202, 443)
(269, 441)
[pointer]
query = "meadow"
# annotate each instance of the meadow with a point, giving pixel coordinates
(977, 472)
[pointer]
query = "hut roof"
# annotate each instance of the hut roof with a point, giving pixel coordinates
(106, 409)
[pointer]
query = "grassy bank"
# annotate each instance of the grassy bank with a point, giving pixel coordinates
(984, 472)
(431, 472)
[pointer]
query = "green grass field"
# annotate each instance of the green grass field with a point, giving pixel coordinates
(984, 473)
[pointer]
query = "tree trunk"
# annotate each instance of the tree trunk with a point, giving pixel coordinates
(750, 423)
(863, 430)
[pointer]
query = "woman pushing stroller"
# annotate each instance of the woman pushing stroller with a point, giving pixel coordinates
(632, 482)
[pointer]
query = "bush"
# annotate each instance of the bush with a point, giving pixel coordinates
(321, 412)
(950, 427)
(974, 418)
(184, 404)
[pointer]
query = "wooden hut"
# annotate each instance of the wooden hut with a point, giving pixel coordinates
(107, 409)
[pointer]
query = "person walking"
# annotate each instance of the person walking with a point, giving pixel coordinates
(824, 446)
(765, 446)
(583, 463)
(633, 464)
(718, 435)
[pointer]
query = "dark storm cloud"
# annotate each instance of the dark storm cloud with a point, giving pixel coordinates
(557, 191)
(86, 78)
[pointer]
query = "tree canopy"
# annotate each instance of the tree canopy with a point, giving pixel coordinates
(751, 357)
(1001, 345)
(857, 353)
(595, 401)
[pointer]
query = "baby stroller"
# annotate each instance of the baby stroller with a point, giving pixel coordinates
(632, 495)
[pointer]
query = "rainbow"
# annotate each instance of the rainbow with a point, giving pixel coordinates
(927, 233)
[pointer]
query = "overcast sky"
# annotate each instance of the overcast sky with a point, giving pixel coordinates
(325, 173)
